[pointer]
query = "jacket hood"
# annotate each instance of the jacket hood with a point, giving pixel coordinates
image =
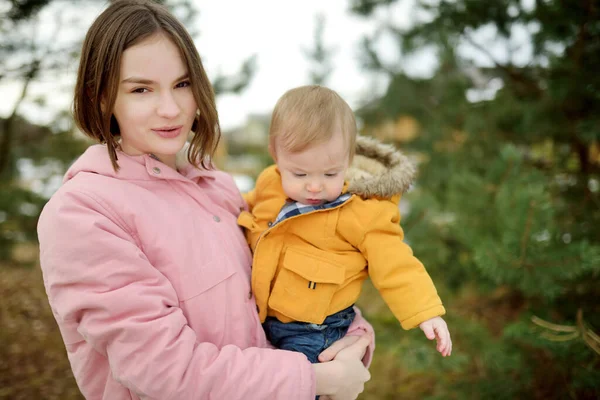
(95, 160)
(142, 167)
(379, 170)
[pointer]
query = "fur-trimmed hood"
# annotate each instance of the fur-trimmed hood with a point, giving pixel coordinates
(379, 170)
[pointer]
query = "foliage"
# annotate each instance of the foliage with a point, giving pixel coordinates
(506, 210)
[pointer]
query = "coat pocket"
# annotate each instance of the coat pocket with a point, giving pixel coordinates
(305, 286)
(200, 280)
(208, 297)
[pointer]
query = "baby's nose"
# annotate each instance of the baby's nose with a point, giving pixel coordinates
(314, 187)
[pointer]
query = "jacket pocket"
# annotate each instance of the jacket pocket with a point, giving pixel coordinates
(305, 286)
(202, 279)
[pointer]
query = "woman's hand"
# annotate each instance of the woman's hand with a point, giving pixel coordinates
(344, 377)
(329, 353)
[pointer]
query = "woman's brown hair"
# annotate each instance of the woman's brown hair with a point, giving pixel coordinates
(122, 25)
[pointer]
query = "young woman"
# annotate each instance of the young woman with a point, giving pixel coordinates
(146, 270)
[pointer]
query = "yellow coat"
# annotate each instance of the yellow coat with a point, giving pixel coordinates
(312, 265)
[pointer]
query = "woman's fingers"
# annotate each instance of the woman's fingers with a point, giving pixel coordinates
(330, 353)
(356, 350)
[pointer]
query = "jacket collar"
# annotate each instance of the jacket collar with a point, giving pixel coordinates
(143, 167)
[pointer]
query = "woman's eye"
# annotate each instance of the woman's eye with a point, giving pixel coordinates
(183, 84)
(139, 90)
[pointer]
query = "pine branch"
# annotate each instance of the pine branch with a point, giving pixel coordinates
(554, 327)
(526, 233)
(514, 75)
(553, 264)
(589, 337)
(406, 228)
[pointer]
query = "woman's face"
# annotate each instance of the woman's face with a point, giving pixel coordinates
(155, 107)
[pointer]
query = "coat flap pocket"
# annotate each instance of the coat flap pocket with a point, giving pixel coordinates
(202, 279)
(312, 267)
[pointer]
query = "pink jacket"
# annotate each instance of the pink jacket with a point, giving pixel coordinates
(148, 276)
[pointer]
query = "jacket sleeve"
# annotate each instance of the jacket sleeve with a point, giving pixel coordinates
(253, 221)
(262, 181)
(98, 279)
(399, 276)
(250, 199)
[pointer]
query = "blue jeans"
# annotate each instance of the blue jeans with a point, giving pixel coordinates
(306, 338)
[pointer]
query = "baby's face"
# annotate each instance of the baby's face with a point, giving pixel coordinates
(316, 174)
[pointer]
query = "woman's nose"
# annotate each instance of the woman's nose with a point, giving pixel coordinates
(168, 107)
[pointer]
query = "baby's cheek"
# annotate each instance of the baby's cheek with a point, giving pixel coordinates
(335, 191)
(340, 187)
(291, 190)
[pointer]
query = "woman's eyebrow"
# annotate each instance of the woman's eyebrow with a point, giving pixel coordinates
(144, 81)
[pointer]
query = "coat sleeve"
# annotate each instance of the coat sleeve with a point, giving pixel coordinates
(250, 199)
(254, 219)
(262, 181)
(399, 276)
(98, 279)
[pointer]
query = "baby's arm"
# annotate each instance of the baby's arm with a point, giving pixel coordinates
(403, 275)
(436, 328)
(399, 276)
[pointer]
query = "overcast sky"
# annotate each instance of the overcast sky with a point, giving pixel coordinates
(230, 31)
(276, 31)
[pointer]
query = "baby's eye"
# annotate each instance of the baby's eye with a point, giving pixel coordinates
(183, 84)
(331, 175)
(299, 175)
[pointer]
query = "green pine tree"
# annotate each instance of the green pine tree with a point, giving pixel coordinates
(506, 209)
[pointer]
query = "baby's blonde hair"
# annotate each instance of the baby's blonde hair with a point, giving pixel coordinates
(309, 115)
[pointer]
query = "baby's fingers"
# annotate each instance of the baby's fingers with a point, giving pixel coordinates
(428, 331)
(443, 340)
(445, 343)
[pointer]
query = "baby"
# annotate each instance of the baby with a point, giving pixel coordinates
(322, 219)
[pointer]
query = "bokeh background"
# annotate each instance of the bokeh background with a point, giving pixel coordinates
(497, 101)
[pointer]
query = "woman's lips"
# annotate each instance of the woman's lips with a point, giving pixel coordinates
(168, 133)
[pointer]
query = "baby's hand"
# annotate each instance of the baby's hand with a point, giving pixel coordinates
(436, 328)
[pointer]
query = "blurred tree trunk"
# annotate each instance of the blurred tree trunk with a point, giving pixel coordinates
(8, 130)
(320, 56)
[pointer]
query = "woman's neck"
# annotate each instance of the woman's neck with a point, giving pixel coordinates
(167, 160)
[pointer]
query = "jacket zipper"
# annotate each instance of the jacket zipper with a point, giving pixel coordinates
(289, 219)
